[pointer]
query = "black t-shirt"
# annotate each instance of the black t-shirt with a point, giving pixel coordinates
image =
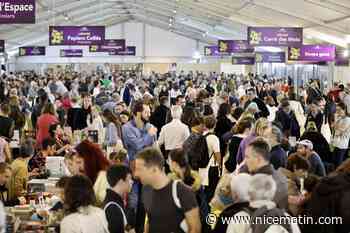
(7, 127)
(163, 214)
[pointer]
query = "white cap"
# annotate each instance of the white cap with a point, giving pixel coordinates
(306, 143)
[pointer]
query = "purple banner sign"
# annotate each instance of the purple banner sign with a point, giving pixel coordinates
(267, 57)
(71, 53)
(243, 60)
(2, 46)
(211, 51)
(17, 11)
(234, 46)
(108, 46)
(275, 36)
(312, 53)
(76, 35)
(130, 51)
(32, 51)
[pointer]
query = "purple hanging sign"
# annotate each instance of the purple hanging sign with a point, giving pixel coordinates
(312, 53)
(76, 35)
(243, 60)
(130, 51)
(108, 46)
(17, 11)
(268, 57)
(2, 46)
(234, 46)
(211, 51)
(275, 36)
(32, 51)
(71, 53)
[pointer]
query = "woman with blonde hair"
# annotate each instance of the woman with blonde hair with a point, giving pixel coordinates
(260, 126)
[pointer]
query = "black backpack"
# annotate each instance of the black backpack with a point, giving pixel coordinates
(196, 149)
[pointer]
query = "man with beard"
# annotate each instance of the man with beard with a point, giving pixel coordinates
(138, 134)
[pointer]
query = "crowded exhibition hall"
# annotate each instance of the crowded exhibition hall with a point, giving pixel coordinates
(174, 116)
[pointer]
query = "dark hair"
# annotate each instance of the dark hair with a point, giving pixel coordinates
(109, 115)
(296, 161)
(209, 122)
(224, 109)
(5, 108)
(94, 159)
(138, 107)
(285, 103)
(343, 107)
(179, 97)
(261, 147)
(3, 167)
(152, 157)
(191, 117)
(178, 156)
(26, 149)
(61, 183)
(116, 173)
(78, 192)
(243, 124)
(237, 113)
(47, 142)
(126, 113)
(163, 99)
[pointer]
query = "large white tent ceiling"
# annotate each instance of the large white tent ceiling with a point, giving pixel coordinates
(324, 21)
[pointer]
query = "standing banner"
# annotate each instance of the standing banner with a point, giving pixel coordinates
(17, 11)
(108, 46)
(2, 46)
(76, 35)
(243, 60)
(32, 51)
(234, 46)
(211, 51)
(71, 53)
(129, 51)
(275, 36)
(268, 57)
(312, 53)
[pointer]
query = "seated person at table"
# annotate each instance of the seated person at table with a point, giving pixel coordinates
(120, 180)
(39, 159)
(5, 174)
(20, 174)
(82, 215)
(119, 158)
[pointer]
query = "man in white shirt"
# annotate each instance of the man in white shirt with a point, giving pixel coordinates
(173, 134)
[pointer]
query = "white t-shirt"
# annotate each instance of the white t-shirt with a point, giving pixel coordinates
(213, 147)
(341, 139)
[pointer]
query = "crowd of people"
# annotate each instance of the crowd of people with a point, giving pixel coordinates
(160, 153)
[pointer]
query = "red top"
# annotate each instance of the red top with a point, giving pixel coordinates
(43, 125)
(66, 103)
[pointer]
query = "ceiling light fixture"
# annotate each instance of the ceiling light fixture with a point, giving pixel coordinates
(174, 11)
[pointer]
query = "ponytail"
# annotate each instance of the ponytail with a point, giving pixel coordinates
(188, 179)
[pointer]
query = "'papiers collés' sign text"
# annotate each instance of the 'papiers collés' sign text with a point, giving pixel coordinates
(17, 11)
(76, 35)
